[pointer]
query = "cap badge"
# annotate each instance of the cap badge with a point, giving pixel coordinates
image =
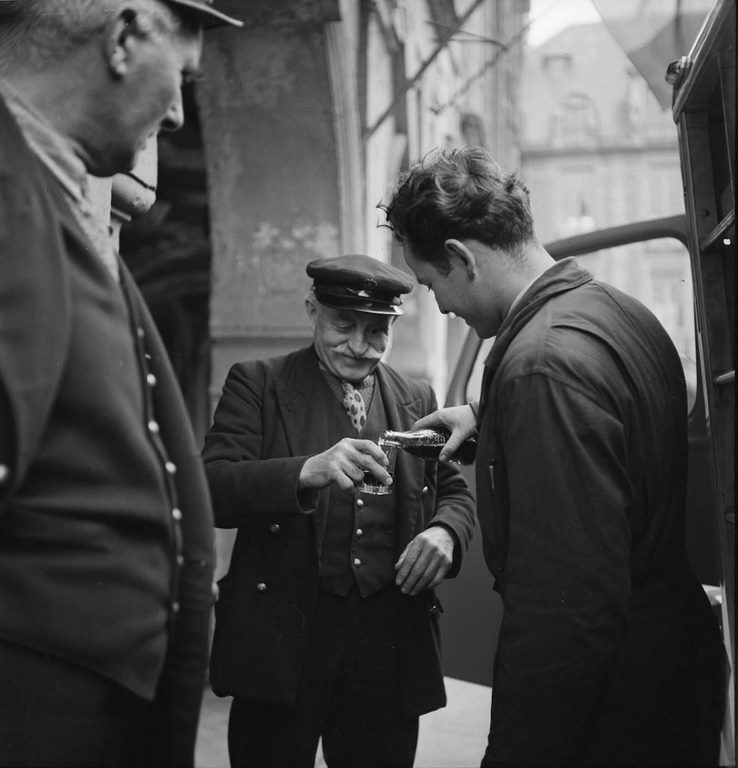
(370, 284)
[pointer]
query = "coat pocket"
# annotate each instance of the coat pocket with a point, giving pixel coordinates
(419, 645)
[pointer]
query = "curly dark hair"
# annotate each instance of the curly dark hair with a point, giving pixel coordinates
(459, 193)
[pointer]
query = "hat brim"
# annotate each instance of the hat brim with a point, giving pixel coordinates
(366, 308)
(213, 17)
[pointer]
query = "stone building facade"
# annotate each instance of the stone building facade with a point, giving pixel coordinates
(598, 150)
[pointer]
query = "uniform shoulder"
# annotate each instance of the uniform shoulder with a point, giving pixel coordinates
(271, 366)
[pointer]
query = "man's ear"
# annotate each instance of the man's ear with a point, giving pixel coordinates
(311, 308)
(123, 31)
(465, 255)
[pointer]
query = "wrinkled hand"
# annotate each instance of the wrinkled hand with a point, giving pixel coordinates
(344, 464)
(425, 561)
(459, 420)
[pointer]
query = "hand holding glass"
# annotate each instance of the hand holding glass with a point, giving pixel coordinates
(372, 485)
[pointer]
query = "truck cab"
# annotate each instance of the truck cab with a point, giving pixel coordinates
(704, 112)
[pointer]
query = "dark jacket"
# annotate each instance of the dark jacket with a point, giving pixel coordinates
(266, 425)
(608, 650)
(106, 555)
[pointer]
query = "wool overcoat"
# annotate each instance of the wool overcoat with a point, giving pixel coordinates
(267, 424)
(608, 650)
(106, 531)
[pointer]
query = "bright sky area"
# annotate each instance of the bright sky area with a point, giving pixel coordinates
(550, 16)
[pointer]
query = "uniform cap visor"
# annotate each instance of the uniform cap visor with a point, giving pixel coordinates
(343, 297)
(367, 307)
(214, 17)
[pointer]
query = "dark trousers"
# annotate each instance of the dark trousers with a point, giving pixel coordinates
(349, 696)
(55, 714)
(666, 717)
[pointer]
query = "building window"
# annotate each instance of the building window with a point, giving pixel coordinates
(576, 122)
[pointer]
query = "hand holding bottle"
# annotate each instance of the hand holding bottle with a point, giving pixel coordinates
(459, 420)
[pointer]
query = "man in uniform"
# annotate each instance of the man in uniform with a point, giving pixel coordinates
(327, 623)
(106, 555)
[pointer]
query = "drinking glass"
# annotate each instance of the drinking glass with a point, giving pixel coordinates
(370, 484)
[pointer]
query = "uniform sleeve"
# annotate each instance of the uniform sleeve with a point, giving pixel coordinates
(244, 487)
(566, 577)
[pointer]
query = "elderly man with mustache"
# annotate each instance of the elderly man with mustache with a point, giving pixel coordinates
(327, 623)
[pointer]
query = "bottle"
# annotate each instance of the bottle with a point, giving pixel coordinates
(427, 444)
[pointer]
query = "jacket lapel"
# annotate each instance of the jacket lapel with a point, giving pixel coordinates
(305, 422)
(305, 426)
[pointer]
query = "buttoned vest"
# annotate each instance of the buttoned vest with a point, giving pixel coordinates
(359, 543)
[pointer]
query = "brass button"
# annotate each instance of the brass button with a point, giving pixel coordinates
(357, 561)
(170, 467)
(425, 489)
(261, 587)
(175, 607)
(359, 531)
(4, 473)
(140, 333)
(177, 513)
(274, 528)
(359, 502)
(151, 379)
(153, 427)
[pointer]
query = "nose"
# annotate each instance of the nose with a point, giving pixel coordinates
(358, 343)
(173, 120)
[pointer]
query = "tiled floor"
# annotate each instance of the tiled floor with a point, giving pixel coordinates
(453, 737)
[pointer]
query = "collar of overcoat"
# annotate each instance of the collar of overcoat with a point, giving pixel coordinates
(561, 277)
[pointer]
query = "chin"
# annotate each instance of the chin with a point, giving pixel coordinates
(127, 162)
(112, 165)
(357, 372)
(487, 332)
(479, 329)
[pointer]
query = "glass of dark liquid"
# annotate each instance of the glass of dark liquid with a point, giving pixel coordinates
(370, 484)
(427, 444)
